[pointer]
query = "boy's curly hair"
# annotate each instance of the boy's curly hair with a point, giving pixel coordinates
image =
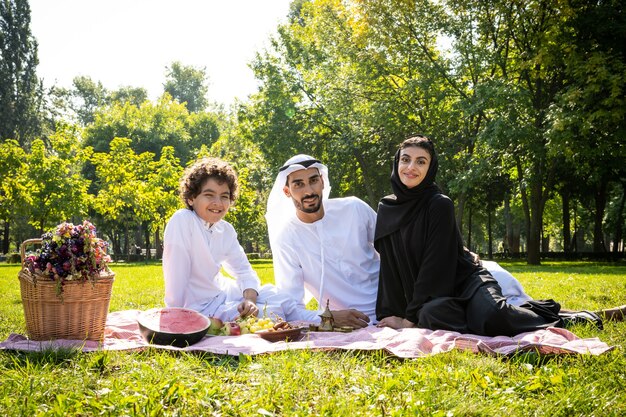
(195, 175)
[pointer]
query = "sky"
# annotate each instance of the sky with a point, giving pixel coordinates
(131, 42)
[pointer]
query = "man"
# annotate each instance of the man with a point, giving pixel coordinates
(323, 246)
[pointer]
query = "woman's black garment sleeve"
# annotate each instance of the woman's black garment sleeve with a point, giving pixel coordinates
(435, 243)
(392, 285)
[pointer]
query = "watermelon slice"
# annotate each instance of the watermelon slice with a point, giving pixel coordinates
(174, 326)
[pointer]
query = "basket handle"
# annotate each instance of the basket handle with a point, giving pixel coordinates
(25, 243)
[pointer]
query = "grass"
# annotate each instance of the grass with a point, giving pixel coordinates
(337, 383)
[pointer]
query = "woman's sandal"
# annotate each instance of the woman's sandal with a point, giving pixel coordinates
(581, 317)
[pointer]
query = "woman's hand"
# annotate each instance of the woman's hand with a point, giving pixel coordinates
(395, 323)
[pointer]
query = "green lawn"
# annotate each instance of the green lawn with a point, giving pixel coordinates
(302, 383)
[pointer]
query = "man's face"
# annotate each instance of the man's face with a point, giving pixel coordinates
(305, 189)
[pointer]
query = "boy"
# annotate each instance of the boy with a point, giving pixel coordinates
(198, 243)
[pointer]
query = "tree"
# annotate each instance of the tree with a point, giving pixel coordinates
(151, 126)
(187, 85)
(57, 189)
(162, 189)
(615, 221)
(255, 182)
(87, 96)
(323, 87)
(122, 199)
(490, 187)
(20, 90)
(590, 112)
(271, 118)
(525, 43)
(14, 193)
(203, 128)
(430, 89)
(132, 95)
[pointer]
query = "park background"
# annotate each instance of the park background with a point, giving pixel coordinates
(524, 100)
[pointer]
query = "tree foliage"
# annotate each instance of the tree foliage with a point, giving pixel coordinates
(525, 101)
(151, 126)
(187, 84)
(483, 79)
(56, 188)
(20, 89)
(122, 200)
(87, 96)
(255, 181)
(14, 193)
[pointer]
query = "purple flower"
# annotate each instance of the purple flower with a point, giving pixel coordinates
(70, 253)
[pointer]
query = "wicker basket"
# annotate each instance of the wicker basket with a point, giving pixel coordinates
(79, 313)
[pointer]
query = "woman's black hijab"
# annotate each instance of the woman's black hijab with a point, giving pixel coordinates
(398, 208)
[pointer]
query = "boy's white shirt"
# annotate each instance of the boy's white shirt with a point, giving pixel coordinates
(193, 254)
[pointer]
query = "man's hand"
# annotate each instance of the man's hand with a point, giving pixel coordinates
(395, 322)
(350, 317)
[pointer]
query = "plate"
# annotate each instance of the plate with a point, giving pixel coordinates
(288, 335)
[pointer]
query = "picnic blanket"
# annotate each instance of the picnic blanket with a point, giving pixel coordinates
(122, 333)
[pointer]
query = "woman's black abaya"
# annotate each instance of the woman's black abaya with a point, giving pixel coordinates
(428, 277)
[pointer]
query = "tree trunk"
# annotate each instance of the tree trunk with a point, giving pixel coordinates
(533, 248)
(489, 235)
(533, 252)
(527, 219)
(372, 195)
(469, 228)
(507, 246)
(534, 201)
(512, 237)
(545, 243)
(619, 221)
(157, 243)
(5, 238)
(600, 200)
(147, 239)
(126, 248)
(515, 241)
(567, 237)
(460, 209)
(574, 246)
(117, 247)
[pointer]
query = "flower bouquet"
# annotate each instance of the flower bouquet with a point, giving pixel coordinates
(70, 253)
(66, 286)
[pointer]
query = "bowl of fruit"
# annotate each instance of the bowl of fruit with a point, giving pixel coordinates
(281, 331)
(269, 329)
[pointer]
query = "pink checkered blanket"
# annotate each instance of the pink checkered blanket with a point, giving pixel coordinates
(122, 333)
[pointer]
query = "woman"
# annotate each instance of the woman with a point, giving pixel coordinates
(428, 279)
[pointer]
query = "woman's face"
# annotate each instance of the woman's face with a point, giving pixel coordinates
(413, 165)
